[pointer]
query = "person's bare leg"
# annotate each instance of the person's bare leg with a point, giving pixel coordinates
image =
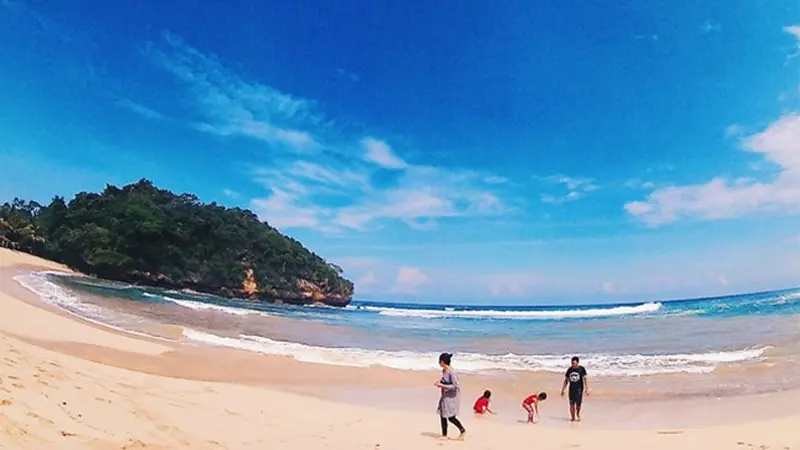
(578, 412)
(572, 411)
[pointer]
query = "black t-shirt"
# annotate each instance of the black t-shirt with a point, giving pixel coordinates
(575, 377)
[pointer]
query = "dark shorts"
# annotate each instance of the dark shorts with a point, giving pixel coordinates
(576, 396)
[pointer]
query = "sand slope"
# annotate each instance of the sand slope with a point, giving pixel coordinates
(50, 400)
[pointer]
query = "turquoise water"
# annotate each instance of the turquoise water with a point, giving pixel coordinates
(734, 336)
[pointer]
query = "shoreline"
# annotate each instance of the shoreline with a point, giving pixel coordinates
(365, 394)
(183, 359)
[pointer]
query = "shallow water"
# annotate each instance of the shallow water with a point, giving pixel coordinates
(720, 346)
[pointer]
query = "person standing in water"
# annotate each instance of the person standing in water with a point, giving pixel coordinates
(578, 384)
(450, 399)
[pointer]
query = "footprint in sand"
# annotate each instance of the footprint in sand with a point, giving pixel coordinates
(40, 418)
(5, 402)
(18, 386)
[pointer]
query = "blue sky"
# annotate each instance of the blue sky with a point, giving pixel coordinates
(515, 153)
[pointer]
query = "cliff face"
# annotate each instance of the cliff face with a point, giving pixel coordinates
(249, 285)
(305, 293)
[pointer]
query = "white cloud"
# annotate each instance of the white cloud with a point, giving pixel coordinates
(418, 197)
(719, 198)
(352, 76)
(723, 280)
(138, 108)
(340, 177)
(792, 240)
(637, 183)
(508, 284)
(651, 37)
(422, 195)
(367, 280)
(734, 131)
(710, 27)
(227, 105)
(493, 179)
(794, 30)
(608, 287)
(281, 211)
(576, 189)
(379, 153)
(230, 193)
(402, 203)
(409, 280)
(356, 262)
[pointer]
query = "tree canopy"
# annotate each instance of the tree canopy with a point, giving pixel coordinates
(146, 235)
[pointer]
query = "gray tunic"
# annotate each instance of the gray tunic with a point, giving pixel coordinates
(450, 400)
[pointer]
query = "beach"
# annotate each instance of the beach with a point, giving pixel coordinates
(67, 383)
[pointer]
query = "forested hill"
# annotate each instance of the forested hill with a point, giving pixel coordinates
(145, 235)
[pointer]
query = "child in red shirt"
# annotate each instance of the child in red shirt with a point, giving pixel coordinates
(531, 404)
(482, 404)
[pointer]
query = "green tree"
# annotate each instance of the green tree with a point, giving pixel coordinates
(142, 234)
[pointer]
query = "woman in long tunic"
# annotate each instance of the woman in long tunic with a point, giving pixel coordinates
(450, 399)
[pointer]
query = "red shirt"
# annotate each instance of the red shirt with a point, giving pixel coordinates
(480, 405)
(529, 400)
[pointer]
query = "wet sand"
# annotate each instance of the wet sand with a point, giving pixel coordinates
(72, 384)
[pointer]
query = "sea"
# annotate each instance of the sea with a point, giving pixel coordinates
(741, 344)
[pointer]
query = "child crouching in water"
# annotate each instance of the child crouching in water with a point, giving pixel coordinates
(531, 404)
(482, 404)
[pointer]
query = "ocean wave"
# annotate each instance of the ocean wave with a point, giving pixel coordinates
(576, 313)
(600, 364)
(59, 297)
(204, 306)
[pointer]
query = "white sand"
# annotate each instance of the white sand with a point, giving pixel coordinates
(50, 400)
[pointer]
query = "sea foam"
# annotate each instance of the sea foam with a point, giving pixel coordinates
(204, 306)
(600, 364)
(566, 313)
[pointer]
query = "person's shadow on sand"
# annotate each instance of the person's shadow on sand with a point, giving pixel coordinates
(439, 437)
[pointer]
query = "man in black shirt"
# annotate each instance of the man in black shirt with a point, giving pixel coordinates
(576, 378)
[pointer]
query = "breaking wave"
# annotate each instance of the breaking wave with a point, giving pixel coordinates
(542, 314)
(601, 364)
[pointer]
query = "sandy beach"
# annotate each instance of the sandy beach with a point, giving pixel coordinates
(69, 384)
